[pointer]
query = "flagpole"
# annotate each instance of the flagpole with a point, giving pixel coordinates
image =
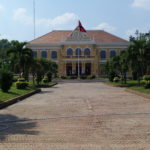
(34, 18)
(78, 64)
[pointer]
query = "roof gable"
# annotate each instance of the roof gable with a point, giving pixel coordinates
(58, 36)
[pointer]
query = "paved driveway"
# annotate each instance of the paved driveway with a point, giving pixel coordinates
(78, 116)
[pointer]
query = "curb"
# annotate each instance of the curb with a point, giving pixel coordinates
(17, 99)
(138, 93)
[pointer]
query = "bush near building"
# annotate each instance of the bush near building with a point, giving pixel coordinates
(6, 80)
(21, 83)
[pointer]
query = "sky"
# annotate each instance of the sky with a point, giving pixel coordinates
(119, 17)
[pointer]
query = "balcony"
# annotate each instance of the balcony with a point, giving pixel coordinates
(76, 57)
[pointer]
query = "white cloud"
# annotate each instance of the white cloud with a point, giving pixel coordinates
(21, 15)
(1, 7)
(145, 4)
(105, 26)
(59, 20)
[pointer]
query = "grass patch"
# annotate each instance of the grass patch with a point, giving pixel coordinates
(13, 92)
(132, 84)
(140, 89)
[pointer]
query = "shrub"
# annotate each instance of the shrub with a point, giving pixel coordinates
(146, 77)
(83, 77)
(49, 76)
(6, 80)
(45, 80)
(116, 79)
(91, 77)
(147, 84)
(38, 79)
(21, 83)
(63, 77)
(73, 77)
(111, 75)
(15, 79)
(21, 79)
(146, 81)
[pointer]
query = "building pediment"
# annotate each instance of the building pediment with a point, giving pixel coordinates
(76, 35)
(79, 34)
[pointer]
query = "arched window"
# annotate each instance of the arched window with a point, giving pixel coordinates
(112, 53)
(87, 52)
(69, 52)
(44, 54)
(35, 53)
(54, 55)
(78, 52)
(103, 54)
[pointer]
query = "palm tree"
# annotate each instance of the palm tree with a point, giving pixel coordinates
(21, 57)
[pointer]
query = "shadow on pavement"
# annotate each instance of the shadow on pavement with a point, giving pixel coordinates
(10, 125)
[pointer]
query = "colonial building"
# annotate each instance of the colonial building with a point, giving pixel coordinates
(78, 51)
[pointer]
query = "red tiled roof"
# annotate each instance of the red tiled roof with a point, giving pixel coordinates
(98, 36)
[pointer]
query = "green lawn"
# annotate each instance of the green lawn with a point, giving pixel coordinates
(140, 89)
(13, 92)
(133, 85)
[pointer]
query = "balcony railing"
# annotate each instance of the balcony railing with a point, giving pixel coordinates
(78, 57)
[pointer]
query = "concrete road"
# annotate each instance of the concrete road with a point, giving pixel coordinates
(78, 116)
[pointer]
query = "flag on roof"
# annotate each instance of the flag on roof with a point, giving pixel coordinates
(81, 27)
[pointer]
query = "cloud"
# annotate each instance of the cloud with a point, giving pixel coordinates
(105, 26)
(59, 20)
(145, 4)
(21, 15)
(1, 7)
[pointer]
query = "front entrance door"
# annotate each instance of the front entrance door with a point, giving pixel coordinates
(80, 68)
(88, 68)
(69, 69)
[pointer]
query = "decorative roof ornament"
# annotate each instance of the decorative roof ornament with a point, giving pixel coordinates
(79, 34)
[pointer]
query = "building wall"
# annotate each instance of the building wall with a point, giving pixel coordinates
(62, 58)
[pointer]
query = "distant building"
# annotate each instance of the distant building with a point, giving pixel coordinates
(78, 50)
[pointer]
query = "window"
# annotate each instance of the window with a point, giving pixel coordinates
(112, 53)
(54, 55)
(87, 52)
(69, 52)
(35, 53)
(78, 52)
(103, 54)
(44, 54)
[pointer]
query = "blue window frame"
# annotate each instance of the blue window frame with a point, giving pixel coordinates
(103, 54)
(44, 54)
(112, 53)
(87, 52)
(54, 55)
(69, 52)
(35, 53)
(78, 52)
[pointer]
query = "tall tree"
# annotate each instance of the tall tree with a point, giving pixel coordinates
(21, 57)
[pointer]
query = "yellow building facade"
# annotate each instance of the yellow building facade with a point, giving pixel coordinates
(78, 52)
